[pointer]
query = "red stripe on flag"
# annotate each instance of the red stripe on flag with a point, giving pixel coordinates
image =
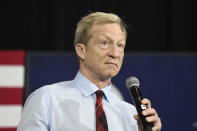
(11, 96)
(7, 129)
(12, 57)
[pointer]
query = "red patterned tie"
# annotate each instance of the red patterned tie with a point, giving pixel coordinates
(101, 121)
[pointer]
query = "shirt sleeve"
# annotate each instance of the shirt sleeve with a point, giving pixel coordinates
(35, 115)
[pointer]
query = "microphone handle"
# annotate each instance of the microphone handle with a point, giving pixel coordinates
(148, 128)
(137, 98)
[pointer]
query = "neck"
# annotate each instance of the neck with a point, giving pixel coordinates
(99, 82)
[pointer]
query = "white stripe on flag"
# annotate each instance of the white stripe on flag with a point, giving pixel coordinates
(10, 115)
(11, 76)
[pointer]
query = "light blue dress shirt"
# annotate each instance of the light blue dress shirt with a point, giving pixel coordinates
(70, 106)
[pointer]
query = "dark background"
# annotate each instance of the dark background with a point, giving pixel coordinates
(48, 25)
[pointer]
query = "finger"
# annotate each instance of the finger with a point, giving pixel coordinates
(157, 122)
(152, 119)
(147, 102)
(149, 112)
(136, 117)
(157, 126)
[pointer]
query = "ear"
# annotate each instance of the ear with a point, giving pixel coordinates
(80, 50)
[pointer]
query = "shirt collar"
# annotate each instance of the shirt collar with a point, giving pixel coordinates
(88, 87)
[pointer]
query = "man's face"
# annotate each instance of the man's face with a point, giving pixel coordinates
(105, 51)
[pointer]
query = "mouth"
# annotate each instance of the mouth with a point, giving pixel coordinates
(112, 64)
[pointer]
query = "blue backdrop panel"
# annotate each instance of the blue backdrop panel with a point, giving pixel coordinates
(168, 80)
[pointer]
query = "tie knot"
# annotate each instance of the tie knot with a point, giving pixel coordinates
(99, 93)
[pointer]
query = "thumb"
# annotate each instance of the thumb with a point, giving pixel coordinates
(136, 117)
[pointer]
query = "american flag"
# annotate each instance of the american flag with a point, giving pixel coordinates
(12, 70)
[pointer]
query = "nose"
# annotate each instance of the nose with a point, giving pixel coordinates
(114, 51)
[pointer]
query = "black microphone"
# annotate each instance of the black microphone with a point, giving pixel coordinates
(132, 83)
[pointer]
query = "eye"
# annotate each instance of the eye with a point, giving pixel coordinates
(104, 44)
(121, 45)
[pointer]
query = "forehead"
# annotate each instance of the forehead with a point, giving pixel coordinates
(108, 29)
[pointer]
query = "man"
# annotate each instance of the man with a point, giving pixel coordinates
(86, 103)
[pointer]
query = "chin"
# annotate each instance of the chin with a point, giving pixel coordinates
(108, 73)
(111, 74)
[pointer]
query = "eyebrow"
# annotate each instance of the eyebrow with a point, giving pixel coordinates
(108, 37)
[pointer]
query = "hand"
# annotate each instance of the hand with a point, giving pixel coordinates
(152, 116)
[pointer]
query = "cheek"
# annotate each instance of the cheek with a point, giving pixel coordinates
(121, 57)
(121, 60)
(94, 59)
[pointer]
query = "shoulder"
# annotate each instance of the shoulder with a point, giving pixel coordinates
(48, 92)
(59, 87)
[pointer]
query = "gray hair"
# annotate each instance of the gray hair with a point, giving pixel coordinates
(85, 24)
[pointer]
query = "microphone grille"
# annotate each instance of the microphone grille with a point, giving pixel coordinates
(132, 81)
